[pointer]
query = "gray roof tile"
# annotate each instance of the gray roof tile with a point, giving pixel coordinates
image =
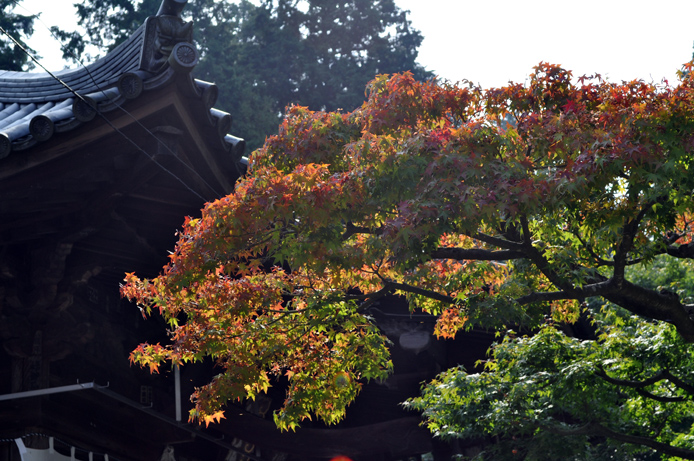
(47, 102)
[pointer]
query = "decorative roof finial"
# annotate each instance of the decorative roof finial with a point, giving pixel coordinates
(168, 39)
(171, 7)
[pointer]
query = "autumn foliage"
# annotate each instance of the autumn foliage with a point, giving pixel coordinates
(486, 208)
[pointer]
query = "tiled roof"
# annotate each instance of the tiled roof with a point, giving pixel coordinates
(39, 87)
(34, 106)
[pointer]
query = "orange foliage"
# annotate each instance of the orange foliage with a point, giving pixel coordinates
(526, 191)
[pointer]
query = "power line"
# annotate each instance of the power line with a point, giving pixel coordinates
(119, 106)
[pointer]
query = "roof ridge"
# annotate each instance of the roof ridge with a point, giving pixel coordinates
(34, 106)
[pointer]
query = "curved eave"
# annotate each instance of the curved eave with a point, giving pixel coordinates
(40, 87)
(36, 107)
(151, 166)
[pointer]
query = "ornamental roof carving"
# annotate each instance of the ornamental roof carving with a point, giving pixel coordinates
(36, 106)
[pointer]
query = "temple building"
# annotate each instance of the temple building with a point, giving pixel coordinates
(99, 165)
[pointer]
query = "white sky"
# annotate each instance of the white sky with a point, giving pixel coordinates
(493, 41)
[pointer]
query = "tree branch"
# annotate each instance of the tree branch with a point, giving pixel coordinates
(600, 430)
(659, 398)
(420, 291)
(628, 234)
(496, 241)
(650, 303)
(678, 382)
(598, 259)
(543, 297)
(376, 294)
(541, 262)
(645, 441)
(370, 298)
(351, 229)
(637, 299)
(600, 287)
(684, 251)
(640, 385)
(659, 376)
(476, 254)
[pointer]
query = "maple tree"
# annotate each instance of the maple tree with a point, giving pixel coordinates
(620, 390)
(498, 208)
(625, 394)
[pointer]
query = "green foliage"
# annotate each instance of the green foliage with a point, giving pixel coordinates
(667, 275)
(317, 53)
(20, 27)
(488, 208)
(550, 396)
(108, 23)
(322, 56)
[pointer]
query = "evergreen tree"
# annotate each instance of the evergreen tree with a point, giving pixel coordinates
(20, 27)
(316, 53)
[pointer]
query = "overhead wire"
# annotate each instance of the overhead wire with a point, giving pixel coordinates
(115, 128)
(119, 106)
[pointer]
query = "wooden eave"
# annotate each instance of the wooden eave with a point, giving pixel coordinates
(126, 191)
